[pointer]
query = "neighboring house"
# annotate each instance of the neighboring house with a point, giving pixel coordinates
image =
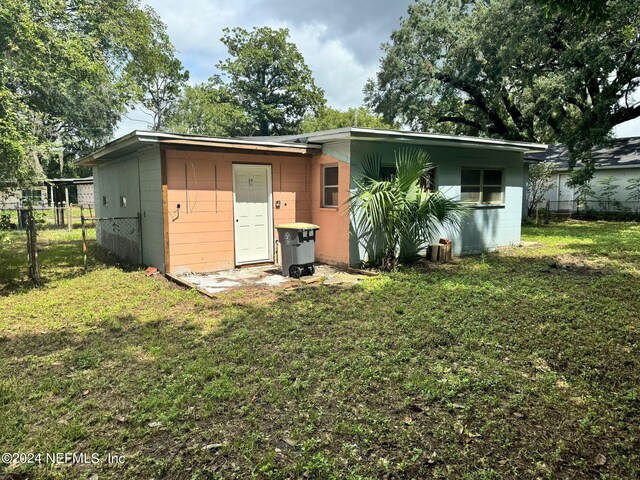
(84, 188)
(207, 204)
(12, 197)
(73, 190)
(621, 160)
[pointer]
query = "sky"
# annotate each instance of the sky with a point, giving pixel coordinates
(339, 39)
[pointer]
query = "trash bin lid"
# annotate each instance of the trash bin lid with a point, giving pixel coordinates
(298, 226)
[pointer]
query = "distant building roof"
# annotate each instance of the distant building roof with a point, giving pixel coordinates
(61, 182)
(625, 152)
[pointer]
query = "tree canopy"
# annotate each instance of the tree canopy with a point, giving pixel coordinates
(66, 77)
(158, 74)
(513, 69)
(208, 109)
(329, 118)
(269, 79)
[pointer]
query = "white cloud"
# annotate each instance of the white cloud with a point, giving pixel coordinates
(339, 40)
(340, 61)
(335, 67)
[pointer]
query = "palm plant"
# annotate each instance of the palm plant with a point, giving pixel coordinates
(399, 216)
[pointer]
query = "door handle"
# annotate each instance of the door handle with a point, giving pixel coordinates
(236, 220)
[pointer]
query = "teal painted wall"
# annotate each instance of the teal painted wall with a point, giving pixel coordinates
(137, 177)
(525, 181)
(487, 227)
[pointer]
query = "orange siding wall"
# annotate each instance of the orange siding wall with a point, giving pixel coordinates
(201, 233)
(332, 241)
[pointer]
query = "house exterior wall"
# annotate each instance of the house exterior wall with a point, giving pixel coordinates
(152, 218)
(201, 232)
(135, 177)
(85, 194)
(525, 181)
(622, 175)
(332, 241)
(11, 198)
(487, 227)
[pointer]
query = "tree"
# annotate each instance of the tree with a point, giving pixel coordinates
(330, 118)
(539, 183)
(157, 72)
(269, 79)
(582, 193)
(587, 9)
(208, 109)
(400, 212)
(607, 193)
(512, 69)
(64, 78)
(633, 187)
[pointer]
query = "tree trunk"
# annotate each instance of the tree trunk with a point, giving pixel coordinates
(32, 249)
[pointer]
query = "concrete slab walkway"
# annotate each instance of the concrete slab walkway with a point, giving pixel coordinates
(265, 276)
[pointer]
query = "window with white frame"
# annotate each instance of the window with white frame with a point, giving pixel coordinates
(330, 186)
(105, 202)
(482, 186)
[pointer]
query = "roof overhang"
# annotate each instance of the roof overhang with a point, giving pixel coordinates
(61, 182)
(414, 138)
(139, 140)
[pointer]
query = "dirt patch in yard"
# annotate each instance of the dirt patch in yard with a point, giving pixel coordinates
(579, 264)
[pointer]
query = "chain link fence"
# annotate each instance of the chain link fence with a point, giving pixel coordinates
(590, 209)
(13, 215)
(108, 239)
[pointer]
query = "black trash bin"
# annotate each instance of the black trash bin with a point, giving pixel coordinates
(297, 241)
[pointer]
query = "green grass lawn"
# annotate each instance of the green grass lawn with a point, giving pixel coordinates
(523, 363)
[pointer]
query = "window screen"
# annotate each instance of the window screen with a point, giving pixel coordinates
(482, 186)
(330, 186)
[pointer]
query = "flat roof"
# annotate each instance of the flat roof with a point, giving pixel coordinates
(422, 138)
(70, 181)
(299, 144)
(138, 138)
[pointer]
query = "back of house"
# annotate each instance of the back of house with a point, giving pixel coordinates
(205, 204)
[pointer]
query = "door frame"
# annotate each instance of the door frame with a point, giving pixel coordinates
(562, 187)
(235, 166)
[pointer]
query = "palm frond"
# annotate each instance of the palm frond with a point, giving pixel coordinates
(371, 166)
(399, 215)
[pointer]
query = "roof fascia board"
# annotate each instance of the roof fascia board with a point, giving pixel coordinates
(168, 138)
(438, 137)
(161, 138)
(355, 133)
(278, 147)
(446, 143)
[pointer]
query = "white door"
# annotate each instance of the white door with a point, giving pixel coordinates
(252, 213)
(566, 194)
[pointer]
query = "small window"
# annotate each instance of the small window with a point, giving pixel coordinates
(33, 195)
(123, 202)
(330, 186)
(482, 186)
(105, 203)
